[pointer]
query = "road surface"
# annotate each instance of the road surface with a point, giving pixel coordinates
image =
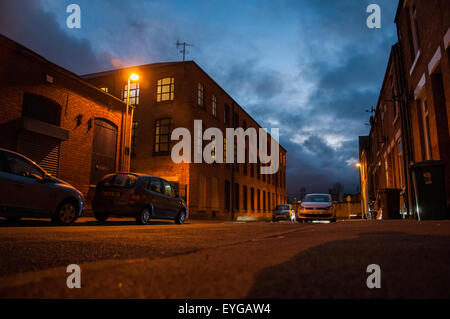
(204, 259)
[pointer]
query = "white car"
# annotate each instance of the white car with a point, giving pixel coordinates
(317, 207)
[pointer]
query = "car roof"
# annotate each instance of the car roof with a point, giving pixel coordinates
(21, 155)
(137, 174)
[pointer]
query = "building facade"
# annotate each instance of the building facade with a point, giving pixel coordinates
(174, 95)
(69, 127)
(412, 119)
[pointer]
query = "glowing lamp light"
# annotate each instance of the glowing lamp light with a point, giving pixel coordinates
(358, 164)
(134, 77)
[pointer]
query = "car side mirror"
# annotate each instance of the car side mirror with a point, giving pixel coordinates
(46, 178)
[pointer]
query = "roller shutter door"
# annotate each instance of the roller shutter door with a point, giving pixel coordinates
(44, 150)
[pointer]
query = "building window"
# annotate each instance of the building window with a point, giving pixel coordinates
(224, 149)
(264, 201)
(413, 31)
(104, 89)
(133, 139)
(244, 197)
(134, 93)
(200, 92)
(214, 106)
(213, 148)
(226, 114)
(235, 120)
(236, 196)
(227, 195)
(426, 129)
(258, 199)
(162, 136)
(165, 90)
(252, 198)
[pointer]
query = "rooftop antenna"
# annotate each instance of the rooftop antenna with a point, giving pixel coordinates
(184, 45)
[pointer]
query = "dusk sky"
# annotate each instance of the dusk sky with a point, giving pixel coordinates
(309, 67)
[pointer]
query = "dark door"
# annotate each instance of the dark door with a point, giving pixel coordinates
(104, 147)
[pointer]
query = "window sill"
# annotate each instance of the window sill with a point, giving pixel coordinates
(395, 120)
(415, 62)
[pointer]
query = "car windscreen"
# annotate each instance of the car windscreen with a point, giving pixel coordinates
(317, 198)
(282, 207)
(119, 180)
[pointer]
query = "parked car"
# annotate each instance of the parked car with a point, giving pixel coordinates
(283, 212)
(140, 196)
(27, 190)
(317, 207)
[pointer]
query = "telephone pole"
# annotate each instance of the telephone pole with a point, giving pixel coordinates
(183, 50)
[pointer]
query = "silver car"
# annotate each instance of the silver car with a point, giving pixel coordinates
(26, 190)
(283, 212)
(316, 207)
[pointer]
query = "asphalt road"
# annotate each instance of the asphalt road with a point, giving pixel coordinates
(225, 260)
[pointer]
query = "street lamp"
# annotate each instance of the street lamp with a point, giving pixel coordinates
(133, 77)
(358, 165)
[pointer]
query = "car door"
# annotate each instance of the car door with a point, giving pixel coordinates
(5, 184)
(27, 192)
(155, 188)
(171, 200)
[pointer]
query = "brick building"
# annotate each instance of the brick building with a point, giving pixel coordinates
(172, 95)
(69, 127)
(412, 118)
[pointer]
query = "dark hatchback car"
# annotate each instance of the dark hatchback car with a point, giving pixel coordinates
(140, 196)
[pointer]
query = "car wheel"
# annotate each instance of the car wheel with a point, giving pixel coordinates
(101, 217)
(180, 217)
(66, 213)
(144, 216)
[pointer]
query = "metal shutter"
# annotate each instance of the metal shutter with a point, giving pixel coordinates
(44, 150)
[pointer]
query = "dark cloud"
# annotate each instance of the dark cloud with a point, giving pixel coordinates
(26, 22)
(319, 103)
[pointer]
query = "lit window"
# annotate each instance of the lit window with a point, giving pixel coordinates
(213, 148)
(214, 106)
(104, 89)
(134, 93)
(165, 90)
(224, 149)
(200, 94)
(162, 136)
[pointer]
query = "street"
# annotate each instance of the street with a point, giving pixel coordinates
(206, 259)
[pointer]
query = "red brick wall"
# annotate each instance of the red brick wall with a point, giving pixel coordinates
(24, 72)
(433, 22)
(183, 111)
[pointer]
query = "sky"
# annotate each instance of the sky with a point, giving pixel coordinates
(309, 67)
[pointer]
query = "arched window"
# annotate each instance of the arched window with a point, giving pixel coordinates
(41, 108)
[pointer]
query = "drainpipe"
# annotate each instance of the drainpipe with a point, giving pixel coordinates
(232, 188)
(402, 85)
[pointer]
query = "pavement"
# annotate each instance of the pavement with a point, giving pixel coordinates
(209, 259)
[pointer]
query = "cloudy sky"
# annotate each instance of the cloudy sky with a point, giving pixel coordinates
(309, 67)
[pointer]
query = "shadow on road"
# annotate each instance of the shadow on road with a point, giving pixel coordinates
(412, 266)
(48, 223)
